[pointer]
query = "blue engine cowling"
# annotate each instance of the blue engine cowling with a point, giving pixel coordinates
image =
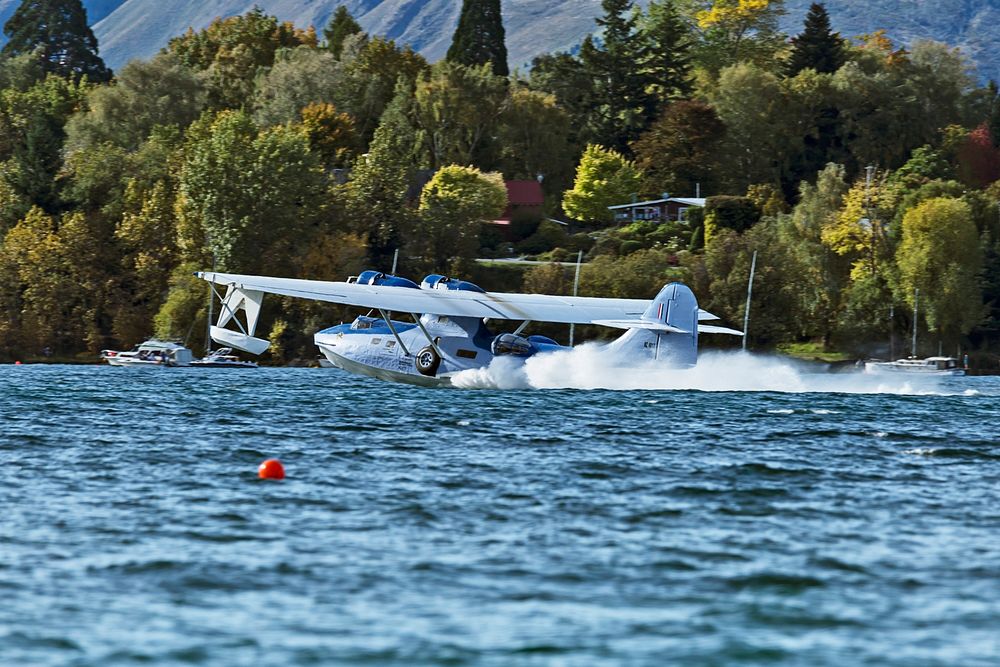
(509, 344)
(437, 281)
(371, 277)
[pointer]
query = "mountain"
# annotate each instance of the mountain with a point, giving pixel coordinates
(129, 29)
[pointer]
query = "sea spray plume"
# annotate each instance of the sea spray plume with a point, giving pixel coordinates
(591, 366)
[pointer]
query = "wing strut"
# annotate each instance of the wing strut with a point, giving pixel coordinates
(521, 328)
(388, 321)
(430, 340)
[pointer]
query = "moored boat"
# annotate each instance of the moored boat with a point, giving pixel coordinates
(913, 366)
(222, 358)
(152, 353)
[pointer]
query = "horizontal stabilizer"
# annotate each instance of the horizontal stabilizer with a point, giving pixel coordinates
(641, 324)
(239, 341)
(709, 328)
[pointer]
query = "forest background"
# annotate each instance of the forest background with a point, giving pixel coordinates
(858, 171)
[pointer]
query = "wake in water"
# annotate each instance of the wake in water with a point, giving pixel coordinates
(590, 366)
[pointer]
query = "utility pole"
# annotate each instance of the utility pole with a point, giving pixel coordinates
(746, 313)
(576, 285)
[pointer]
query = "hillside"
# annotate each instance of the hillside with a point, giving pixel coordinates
(139, 28)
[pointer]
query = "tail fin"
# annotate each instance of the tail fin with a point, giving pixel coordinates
(672, 334)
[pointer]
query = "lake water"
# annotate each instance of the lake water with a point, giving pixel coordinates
(746, 514)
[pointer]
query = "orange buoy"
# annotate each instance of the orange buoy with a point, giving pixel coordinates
(271, 469)
(17, 363)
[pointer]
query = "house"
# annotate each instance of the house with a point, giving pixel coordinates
(524, 199)
(657, 210)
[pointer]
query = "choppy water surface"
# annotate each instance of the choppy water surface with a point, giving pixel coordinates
(495, 527)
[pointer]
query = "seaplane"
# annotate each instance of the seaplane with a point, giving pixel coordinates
(427, 333)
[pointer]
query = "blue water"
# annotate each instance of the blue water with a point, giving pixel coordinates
(487, 527)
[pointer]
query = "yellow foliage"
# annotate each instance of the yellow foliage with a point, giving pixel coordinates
(728, 12)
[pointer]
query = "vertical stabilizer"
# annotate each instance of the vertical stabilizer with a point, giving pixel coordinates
(675, 306)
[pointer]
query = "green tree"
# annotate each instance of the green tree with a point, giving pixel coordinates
(341, 26)
(145, 94)
(940, 256)
(817, 47)
(567, 78)
(31, 137)
(230, 52)
(248, 191)
(759, 143)
(479, 37)
(603, 178)
(368, 73)
(822, 274)
(457, 110)
(734, 31)
(621, 106)
(534, 138)
(299, 76)
(56, 32)
(682, 150)
(725, 212)
(453, 206)
(331, 134)
(668, 41)
(377, 194)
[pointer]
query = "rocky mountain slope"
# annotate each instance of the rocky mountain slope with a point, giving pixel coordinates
(139, 28)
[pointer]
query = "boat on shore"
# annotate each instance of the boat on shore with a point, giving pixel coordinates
(931, 366)
(222, 358)
(152, 353)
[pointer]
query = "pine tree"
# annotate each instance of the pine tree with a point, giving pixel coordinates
(57, 31)
(479, 37)
(668, 50)
(817, 47)
(342, 25)
(623, 105)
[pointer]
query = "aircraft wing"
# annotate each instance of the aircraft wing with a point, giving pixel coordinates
(451, 303)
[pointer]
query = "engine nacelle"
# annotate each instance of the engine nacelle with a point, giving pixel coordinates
(371, 277)
(437, 281)
(513, 345)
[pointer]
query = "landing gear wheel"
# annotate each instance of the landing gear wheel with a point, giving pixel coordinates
(427, 361)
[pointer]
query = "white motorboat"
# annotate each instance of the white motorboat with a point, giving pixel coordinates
(913, 366)
(931, 366)
(222, 358)
(152, 353)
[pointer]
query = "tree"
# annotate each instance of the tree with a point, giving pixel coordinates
(56, 31)
(231, 51)
(330, 133)
(299, 76)
(377, 194)
(145, 94)
(603, 178)
(940, 256)
(667, 42)
(622, 106)
(681, 151)
(817, 47)
(534, 137)
(453, 206)
(734, 31)
(567, 78)
(247, 190)
(368, 73)
(457, 109)
(342, 25)
(753, 106)
(479, 37)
